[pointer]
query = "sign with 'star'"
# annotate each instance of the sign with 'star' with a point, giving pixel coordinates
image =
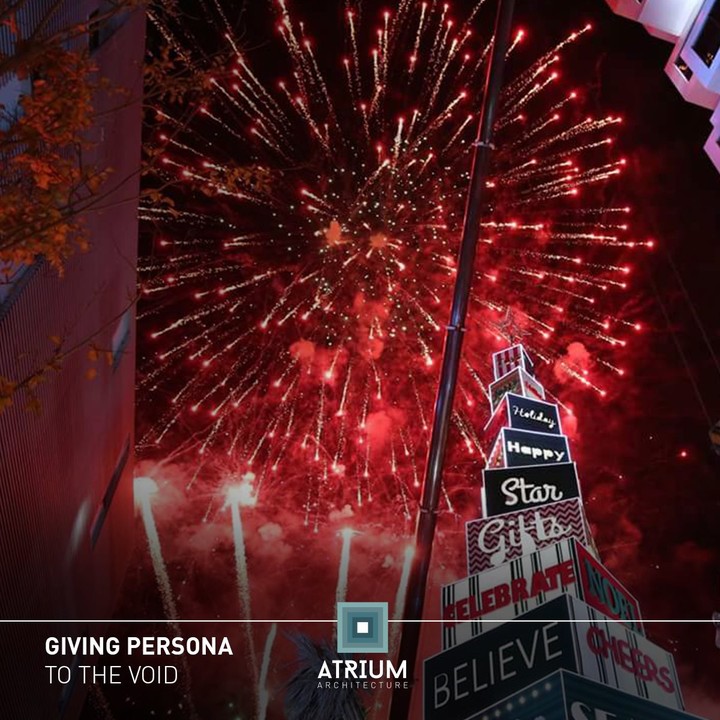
(508, 489)
(522, 447)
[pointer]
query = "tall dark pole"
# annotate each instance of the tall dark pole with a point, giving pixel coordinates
(427, 517)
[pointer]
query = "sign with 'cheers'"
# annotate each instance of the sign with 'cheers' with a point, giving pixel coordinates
(563, 633)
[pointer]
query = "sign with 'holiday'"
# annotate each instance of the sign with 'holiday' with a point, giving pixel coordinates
(508, 489)
(492, 541)
(521, 413)
(478, 603)
(563, 695)
(515, 448)
(461, 682)
(516, 381)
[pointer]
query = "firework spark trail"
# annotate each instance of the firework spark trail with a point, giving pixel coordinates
(263, 692)
(344, 567)
(399, 607)
(326, 235)
(356, 54)
(145, 488)
(237, 496)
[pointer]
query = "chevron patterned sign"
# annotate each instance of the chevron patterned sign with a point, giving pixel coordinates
(496, 540)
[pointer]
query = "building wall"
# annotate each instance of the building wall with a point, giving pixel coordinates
(65, 522)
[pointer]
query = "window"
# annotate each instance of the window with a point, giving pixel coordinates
(11, 91)
(93, 31)
(13, 279)
(103, 22)
(120, 339)
(707, 42)
(104, 508)
(683, 68)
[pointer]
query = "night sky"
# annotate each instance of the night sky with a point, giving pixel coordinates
(650, 478)
(658, 525)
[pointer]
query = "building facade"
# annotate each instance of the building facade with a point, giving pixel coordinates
(66, 509)
(693, 26)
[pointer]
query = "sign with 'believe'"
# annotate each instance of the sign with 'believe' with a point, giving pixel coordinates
(466, 680)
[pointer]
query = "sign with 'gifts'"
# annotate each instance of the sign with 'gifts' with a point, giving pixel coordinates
(480, 602)
(492, 541)
(566, 634)
(516, 448)
(563, 695)
(508, 489)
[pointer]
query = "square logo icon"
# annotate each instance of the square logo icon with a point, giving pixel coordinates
(362, 627)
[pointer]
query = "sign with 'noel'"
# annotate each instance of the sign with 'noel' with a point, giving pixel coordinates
(492, 541)
(478, 603)
(462, 682)
(564, 695)
(508, 489)
(515, 448)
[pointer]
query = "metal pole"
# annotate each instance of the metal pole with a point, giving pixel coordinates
(425, 531)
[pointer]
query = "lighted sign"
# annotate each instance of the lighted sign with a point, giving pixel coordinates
(522, 447)
(516, 381)
(493, 541)
(510, 358)
(508, 489)
(480, 602)
(465, 680)
(563, 695)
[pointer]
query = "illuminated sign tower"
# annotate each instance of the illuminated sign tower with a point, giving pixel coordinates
(580, 652)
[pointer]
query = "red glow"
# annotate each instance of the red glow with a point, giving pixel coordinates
(346, 371)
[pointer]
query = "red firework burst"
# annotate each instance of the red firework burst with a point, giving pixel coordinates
(296, 295)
